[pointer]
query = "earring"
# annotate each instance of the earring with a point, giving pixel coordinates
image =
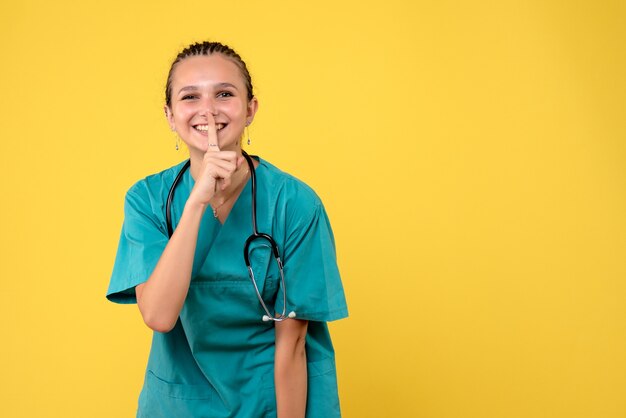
(177, 139)
(248, 132)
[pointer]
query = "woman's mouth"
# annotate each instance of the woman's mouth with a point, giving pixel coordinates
(205, 128)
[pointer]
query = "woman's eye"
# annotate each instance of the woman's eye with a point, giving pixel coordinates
(188, 97)
(224, 94)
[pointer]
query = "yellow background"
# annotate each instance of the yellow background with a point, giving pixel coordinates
(471, 155)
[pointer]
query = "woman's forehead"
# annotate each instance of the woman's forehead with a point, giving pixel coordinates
(211, 69)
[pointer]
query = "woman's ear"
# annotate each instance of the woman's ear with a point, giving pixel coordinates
(253, 106)
(170, 117)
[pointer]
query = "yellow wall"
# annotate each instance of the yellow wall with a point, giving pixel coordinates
(471, 155)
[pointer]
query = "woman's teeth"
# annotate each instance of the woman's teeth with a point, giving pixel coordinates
(205, 128)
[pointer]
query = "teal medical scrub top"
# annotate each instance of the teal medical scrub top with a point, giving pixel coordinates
(218, 361)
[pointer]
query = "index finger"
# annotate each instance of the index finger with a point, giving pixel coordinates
(212, 133)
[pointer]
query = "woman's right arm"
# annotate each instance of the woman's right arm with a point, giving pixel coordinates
(161, 297)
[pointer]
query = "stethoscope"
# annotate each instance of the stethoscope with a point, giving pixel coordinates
(256, 235)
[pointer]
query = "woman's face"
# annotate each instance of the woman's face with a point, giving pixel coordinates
(204, 88)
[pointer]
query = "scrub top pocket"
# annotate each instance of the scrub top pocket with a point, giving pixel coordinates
(178, 390)
(162, 399)
(322, 399)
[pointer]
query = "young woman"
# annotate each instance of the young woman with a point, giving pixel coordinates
(183, 263)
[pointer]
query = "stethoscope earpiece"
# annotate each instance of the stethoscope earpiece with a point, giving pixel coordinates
(281, 318)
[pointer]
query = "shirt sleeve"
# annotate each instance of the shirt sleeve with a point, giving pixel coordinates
(142, 242)
(313, 284)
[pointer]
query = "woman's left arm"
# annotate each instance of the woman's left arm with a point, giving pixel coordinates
(290, 368)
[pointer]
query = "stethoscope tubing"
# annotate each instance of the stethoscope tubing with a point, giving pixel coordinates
(256, 235)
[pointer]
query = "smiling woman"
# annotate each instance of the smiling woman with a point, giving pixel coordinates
(212, 356)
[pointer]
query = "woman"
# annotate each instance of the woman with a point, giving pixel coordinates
(212, 355)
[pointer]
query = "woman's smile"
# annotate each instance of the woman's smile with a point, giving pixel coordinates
(204, 129)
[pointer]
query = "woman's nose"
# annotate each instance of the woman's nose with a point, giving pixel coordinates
(208, 106)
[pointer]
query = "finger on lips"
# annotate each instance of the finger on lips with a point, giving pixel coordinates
(212, 133)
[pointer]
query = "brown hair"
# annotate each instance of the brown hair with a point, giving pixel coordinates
(208, 48)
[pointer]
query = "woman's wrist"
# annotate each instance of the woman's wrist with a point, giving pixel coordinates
(193, 206)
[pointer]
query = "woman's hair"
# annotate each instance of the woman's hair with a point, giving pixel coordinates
(208, 48)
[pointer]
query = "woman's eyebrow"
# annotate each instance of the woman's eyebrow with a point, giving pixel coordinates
(187, 88)
(217, 86)
(222, 85)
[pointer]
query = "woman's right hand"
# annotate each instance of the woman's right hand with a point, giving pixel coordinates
(216, 169)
